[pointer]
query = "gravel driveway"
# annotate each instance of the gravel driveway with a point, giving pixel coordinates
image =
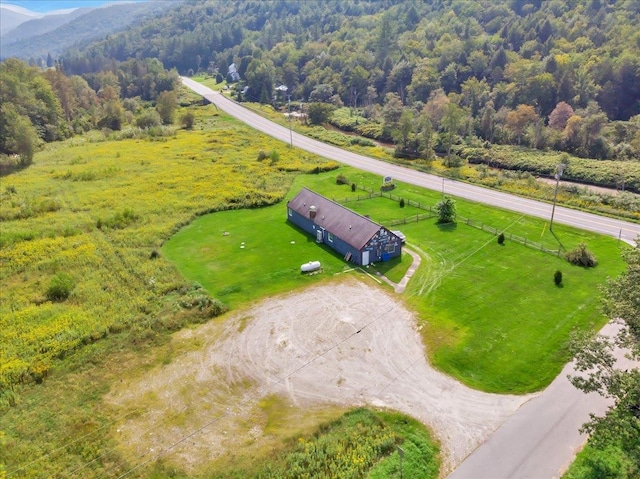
(345, 342)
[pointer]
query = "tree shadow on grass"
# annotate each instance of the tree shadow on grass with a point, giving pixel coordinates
(447, 227)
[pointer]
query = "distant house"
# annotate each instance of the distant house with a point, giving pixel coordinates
(355, 237)
(233, 75)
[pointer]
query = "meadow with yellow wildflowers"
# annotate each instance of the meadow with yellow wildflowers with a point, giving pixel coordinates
(87, 290)
(97, 210)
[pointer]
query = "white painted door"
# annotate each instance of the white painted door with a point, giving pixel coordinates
(365, 258)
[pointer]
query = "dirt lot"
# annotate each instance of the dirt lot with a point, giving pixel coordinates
(346, 342)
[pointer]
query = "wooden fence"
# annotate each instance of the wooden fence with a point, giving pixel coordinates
(430, 212)
(509, 236)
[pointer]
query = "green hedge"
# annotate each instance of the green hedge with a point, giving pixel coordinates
(607, 173)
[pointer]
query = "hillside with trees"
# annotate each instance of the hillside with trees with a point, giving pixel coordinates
(426, 75)
(36, 41)
(43, 106)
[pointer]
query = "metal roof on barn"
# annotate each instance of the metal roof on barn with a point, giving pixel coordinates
(347, 225)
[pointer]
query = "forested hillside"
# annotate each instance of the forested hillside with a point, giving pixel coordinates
(43, 106)
(563, 75)
(39, 26)
(51, 35)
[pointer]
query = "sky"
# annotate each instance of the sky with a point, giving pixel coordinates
(44, 6)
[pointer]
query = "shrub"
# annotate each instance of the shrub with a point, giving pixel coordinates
(319, 113)
(501, 238)
(557, 277)
(198, 300)
(356, 140)
(342, 180)
(262, 155)
(353, 187)
(60, 287)
(118, 221)
(446, 209)
(581, 256)
(187, 120)
(401, 202)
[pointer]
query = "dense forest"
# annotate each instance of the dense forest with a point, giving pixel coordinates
(561, 75)
(445, 77)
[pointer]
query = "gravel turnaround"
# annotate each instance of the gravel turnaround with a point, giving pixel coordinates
(344, 342)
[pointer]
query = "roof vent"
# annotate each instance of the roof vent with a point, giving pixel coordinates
(312, 211)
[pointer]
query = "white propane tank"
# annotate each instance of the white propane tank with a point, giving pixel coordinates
(310, 266)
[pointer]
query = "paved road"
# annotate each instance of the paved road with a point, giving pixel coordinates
(590, 222)
(540, 440)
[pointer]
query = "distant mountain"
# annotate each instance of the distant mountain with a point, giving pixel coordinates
(83, 25)
(12, 16)
(40, 26)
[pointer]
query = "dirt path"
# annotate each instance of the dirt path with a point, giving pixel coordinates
(345, 342)
(402, 284)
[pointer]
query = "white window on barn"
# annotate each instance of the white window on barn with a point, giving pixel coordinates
(290, 211)
(390, 248)
(330, 237)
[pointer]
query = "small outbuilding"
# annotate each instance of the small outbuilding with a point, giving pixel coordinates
(354, 236)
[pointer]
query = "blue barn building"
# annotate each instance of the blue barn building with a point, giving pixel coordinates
(355, 237)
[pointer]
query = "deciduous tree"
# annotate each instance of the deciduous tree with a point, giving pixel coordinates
(452, 123)
(166, 106)
(620, 426)
(519, 119)
(560, 116)
(446, 208)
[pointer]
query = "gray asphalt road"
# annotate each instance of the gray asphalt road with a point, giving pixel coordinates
(624, 230)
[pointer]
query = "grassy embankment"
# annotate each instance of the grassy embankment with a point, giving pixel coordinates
(95, 211)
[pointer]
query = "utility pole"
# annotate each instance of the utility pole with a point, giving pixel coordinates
(401, 455)
(559, 172)
(290, 131)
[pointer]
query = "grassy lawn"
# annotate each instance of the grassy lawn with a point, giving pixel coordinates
(491, 314)
(261, 255)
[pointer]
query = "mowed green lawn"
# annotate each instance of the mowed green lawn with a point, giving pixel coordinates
(496, 319)
(490, 314)
(261, 254)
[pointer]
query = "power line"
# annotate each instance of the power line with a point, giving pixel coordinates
(310, 361)
(67, 444)
(287, 376)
